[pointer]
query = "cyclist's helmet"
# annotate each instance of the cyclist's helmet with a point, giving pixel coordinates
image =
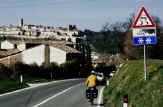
(92, 72)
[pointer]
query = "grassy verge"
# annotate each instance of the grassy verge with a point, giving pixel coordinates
(8, 84)
(130, 80)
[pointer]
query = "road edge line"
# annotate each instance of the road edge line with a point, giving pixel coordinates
(55, 95)
(100, 97)
(23, 89)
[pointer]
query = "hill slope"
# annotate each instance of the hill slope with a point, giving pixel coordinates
(130, 80)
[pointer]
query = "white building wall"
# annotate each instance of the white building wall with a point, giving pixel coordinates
(34, 55)
(73, 39)
(57, 55)
(21, 46)
(7, 45)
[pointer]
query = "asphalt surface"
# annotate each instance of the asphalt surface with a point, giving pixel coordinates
(70, 93)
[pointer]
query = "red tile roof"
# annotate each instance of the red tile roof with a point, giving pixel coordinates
(4, 53)
(65, 48)
(58, 44)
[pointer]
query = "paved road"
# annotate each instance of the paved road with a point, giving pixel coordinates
(60, 94)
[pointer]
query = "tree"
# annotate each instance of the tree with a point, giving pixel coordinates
(154, 51)
(128, 23)
(131, 51)
(109, 39)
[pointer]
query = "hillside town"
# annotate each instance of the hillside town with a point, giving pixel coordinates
(41, 44)
(32, 40)
(71, 33)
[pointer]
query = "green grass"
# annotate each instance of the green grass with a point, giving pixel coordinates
(8, 84)
(130, 80)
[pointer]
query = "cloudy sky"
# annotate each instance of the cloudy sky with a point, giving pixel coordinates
(86, 14)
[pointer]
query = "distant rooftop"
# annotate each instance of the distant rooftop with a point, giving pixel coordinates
(4, 53)
(58, 44)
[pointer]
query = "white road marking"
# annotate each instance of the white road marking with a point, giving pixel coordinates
(50, 98)
(20, 90)
(100, 97)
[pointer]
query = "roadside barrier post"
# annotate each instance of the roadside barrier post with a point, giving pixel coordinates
(125, 100)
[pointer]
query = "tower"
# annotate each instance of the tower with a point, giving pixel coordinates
(21, 22)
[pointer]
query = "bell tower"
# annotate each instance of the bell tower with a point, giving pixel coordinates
(21, 22)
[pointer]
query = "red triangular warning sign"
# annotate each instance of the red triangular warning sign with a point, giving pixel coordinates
(143, 20)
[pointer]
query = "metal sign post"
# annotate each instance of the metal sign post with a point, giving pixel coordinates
(145, 69)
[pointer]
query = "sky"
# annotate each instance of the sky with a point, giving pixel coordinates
(85, 14)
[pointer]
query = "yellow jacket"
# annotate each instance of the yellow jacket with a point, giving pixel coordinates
(91, 81)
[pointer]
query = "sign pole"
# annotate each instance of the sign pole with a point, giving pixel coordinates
(145, 69)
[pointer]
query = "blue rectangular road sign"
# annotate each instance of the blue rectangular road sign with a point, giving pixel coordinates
(144, 40)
